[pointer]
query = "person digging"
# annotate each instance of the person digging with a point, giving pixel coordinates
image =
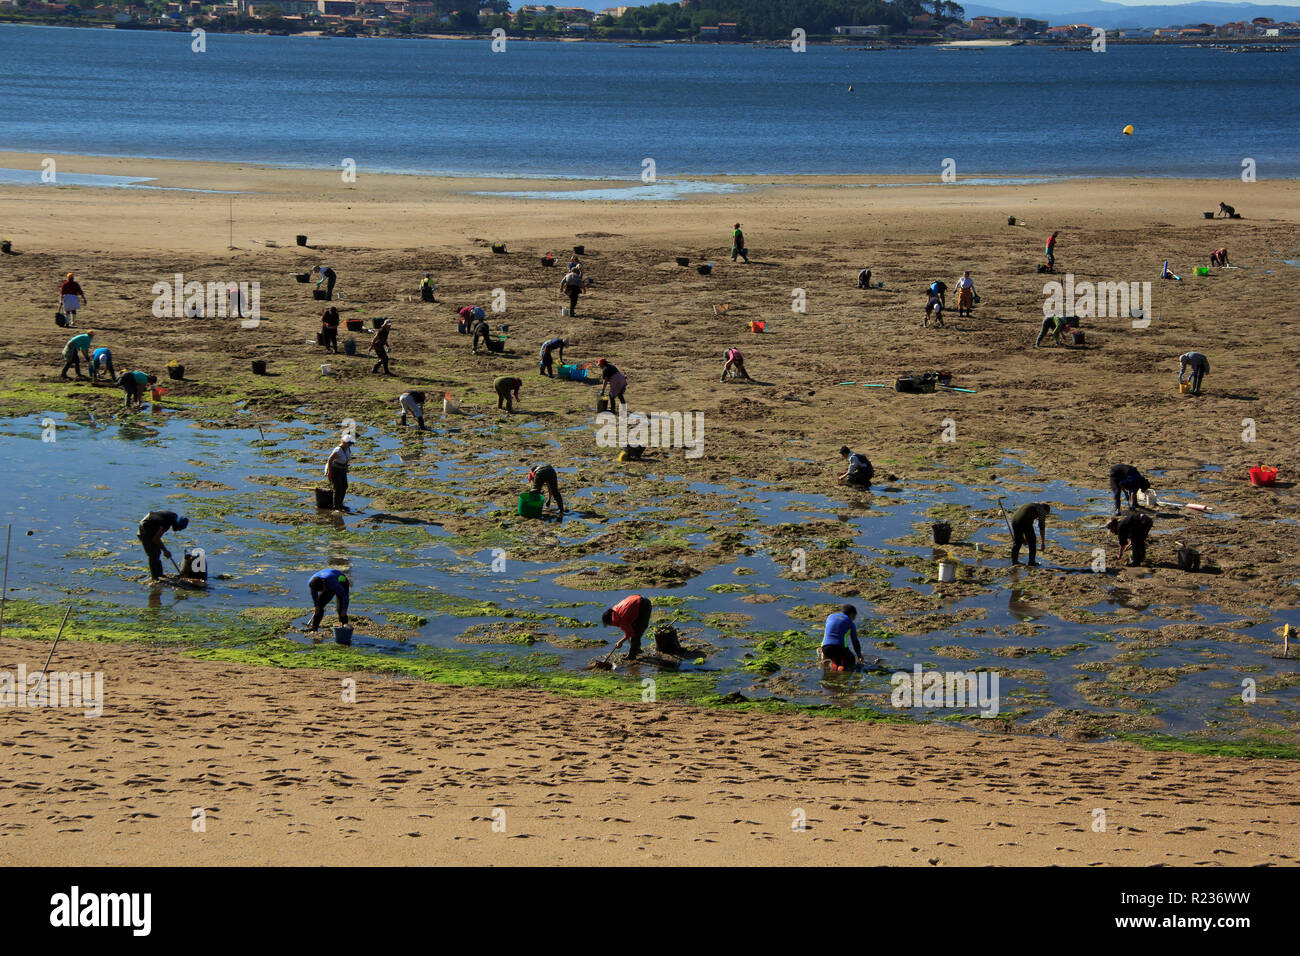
(1132, 530)
(632, 616)
(326, 585)
(1022, 529)
(150, 532)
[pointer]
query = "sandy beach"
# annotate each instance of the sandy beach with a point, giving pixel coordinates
(412, 772)
(417, 774)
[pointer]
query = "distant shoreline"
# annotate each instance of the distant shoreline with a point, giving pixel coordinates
(858, 43)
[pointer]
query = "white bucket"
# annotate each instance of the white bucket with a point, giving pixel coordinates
(449, 406)
(327, 369)
(564, 310)
(947, 572)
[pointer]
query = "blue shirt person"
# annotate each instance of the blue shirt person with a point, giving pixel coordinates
(833, 648)
(327, 584)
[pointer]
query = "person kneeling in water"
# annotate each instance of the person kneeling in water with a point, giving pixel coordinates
(833, 647)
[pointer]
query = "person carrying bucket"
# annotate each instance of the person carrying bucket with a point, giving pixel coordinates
(426, 288)
(1195, 367)
(734, 362)
(546, 360)
(859, 472)
(571, 285)
(1022, 529)
(379, 345)
(632, 616)
(101, 360)
(76, 347)
(134, 385)
(150, 531)
(544, 476)
(738, 247)
(834, 648)
(336, 469)
(412, 403)
(1125, 479)
(326, 585)
(70, 295)
(327, 276)
(507, 390)
(329, 330)
(615, 381)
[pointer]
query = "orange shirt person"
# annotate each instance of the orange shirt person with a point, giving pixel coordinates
(632, 616)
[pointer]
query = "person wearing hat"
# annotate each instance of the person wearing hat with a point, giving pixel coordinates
(70, 295)
(101, 360)
(505, 387)
(336, 469)
(733, 361)
(738, 245)
(546, 363)
(412, 403)
(545, 476)
(426, 288)
(326, 584)
(77, 346)
(614, 380)
(152, 527)
(133, 386)
(379, 345)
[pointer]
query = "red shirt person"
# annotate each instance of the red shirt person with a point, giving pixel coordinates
(632, 616)
(70, 296)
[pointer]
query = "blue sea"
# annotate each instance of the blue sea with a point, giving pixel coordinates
(594, 110)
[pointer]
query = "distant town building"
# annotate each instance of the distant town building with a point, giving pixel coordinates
(728, 31)
(872, 30)
(336, 8)
(1029, 25)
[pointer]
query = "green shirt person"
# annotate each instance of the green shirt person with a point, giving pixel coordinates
(1022, 529)
(738, 245)
(78, 346)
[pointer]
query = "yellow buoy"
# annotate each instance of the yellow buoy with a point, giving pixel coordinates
(1128, 130)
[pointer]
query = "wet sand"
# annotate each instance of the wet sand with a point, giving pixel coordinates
(412, 773)
(1068, 413)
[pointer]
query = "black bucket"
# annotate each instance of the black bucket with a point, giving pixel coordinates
(320, 294)
(192, 566)
(496, 345)
(354, 325)
(320, 337)
(6, 247)
(259, 366)
(499, 248)
(942, 532)
(350, 347)
(302, 276)
(377, 322)
(176, 372)
(302, 240)
(548, 260)
(945, 378)
(1208, 215)
(602, 405)
(1078, 338)
(683, 261)
(60, 320)
(704, 269)
(580, 250)
(325, 498)
(1189, 559)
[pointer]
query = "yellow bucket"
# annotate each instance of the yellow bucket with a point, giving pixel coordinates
(1184, 388)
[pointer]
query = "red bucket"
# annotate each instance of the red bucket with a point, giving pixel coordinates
(1263, 477)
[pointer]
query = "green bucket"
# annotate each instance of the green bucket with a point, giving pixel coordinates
(530, 504)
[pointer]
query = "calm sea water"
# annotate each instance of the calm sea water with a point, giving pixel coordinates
(599, 110)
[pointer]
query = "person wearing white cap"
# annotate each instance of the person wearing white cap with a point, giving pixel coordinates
(336, 468)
